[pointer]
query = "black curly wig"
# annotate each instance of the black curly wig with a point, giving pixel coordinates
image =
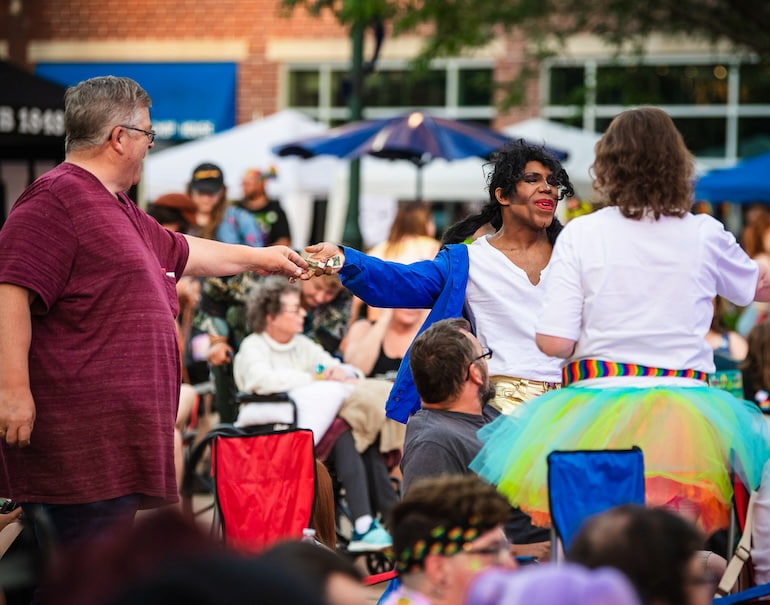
(507, 169)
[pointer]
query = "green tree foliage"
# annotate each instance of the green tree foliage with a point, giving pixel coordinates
(458, 25)
(346, 11)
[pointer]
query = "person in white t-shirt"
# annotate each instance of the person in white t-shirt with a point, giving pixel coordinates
(628, 301)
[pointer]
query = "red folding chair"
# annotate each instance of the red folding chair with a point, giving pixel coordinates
(264, 486)
(262, 478)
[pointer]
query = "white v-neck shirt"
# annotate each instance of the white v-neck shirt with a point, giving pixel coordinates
(503, 305)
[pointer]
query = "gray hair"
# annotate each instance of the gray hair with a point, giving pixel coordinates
(94, 107)
(264, 301)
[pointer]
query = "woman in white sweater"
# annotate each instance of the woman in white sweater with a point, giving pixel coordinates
(276, 356)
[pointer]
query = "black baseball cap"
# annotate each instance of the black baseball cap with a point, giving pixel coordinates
(207, 178)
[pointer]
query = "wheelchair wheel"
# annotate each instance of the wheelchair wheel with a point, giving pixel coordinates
(378, 562)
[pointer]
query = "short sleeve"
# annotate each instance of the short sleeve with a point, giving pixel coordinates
(735, 272)
(170, 247)
(24, 260)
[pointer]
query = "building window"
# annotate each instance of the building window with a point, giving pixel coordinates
(393, 88)
(660, 85)
(474, 87)
(753, 135)
(458, 88)
(755, 83)
(722, 107)
(303, 88)
(567, 86)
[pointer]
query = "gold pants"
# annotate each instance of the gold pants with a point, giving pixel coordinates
(511, 392)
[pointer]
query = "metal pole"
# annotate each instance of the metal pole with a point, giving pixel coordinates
(418, 199)
(352, 233)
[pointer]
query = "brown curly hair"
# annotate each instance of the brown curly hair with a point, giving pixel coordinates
(642, 164)
(444, 500)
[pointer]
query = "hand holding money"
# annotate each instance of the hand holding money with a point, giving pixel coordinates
(323, 258)
(335, 262)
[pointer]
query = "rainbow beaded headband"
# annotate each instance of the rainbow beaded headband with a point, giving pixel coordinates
(446, 540)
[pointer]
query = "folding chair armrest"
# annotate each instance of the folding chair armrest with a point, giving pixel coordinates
(254, 398)
(282, 399)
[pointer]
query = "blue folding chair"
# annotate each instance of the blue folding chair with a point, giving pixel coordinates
(582, 483)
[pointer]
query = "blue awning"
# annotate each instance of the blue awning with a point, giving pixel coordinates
(744, 183)
(189, 100)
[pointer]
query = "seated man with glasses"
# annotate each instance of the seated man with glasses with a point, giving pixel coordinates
(450, 372)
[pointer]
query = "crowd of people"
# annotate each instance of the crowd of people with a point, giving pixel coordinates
(511, 337)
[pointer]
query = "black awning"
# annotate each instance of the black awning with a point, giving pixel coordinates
(31, 115)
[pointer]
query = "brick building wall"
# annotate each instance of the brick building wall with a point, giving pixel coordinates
(144, 20)
(253, 22)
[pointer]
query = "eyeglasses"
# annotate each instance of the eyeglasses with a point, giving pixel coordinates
(485, 354)
(536, 178)
(501, 550)
(150, 134)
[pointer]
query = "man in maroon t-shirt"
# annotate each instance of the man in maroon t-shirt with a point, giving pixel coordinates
(89, 379)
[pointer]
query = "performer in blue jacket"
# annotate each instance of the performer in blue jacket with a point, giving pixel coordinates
(495, 281)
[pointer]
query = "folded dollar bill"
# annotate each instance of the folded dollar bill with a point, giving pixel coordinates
(335, 262)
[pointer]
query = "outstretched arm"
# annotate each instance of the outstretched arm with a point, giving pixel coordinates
(382, 283)
(212, 258)
(17, 408)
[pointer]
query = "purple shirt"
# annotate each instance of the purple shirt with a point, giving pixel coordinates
(104, 363)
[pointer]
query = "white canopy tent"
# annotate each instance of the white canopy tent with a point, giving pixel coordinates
(248, 146)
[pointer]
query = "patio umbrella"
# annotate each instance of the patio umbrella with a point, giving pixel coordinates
(416, 136)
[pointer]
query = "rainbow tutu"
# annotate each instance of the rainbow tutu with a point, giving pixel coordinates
(691, 437)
